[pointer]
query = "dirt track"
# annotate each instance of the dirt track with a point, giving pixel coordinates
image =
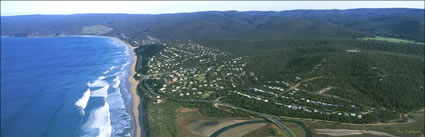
(299, 83)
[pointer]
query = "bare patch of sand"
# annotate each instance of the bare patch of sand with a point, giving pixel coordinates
(348, 132)
(325, 89)
(241, 130)
(96, 29)
(185, 110)
(206, 128)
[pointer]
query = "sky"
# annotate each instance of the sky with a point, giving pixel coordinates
(11, 8)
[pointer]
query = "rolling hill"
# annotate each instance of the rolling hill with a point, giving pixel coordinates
(306, 24)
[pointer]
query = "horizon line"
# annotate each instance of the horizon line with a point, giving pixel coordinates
(206, 11)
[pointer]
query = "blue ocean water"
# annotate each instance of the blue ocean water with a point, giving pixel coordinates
(67, 86)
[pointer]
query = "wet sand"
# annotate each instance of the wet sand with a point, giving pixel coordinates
(133, 90)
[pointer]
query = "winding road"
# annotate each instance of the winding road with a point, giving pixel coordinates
(268, 117)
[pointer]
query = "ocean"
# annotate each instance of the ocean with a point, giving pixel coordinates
(65, 86)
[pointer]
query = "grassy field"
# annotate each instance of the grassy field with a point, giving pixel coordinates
(389, 39)
(300, 129)
(161, 119)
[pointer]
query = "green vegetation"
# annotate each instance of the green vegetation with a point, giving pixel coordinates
(307, 131)
(311, 65)
(388, 39)
(306, 24)
(287, 78)
(206, 109)
(161, 119)
(368, 74)
(143, 53)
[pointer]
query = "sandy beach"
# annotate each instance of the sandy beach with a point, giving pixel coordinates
(133, 90)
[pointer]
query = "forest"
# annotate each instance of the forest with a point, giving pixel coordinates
(385, 76)
(307, 24)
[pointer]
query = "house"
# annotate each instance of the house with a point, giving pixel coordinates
(346, 114)
(298, 78)
(352, 50)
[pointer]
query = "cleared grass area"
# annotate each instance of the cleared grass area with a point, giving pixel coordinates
(161, 119)
(296, 129)
(389, 39)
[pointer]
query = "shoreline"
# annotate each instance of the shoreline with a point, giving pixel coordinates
(133, 88)
(136, 99)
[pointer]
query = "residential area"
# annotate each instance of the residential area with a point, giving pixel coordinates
(186, 70)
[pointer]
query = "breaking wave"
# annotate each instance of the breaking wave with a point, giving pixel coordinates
(82, 102)
(99, 122)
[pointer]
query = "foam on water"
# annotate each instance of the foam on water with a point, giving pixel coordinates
(98, 83)
(82, 102)
(102, 92)
(107, 71)
(102, 77)
(99, 122)
(117, 82)
(112, 119)
(105, 98)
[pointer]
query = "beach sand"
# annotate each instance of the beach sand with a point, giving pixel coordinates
(133, 89)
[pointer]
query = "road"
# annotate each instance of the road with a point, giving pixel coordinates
(268, 117)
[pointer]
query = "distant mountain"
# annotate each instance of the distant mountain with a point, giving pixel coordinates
(294, 24)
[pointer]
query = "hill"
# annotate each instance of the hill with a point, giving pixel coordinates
(306, 24)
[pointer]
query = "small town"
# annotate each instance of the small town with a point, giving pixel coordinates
(186, 70)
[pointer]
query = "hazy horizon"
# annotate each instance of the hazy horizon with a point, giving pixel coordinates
(14, 8)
